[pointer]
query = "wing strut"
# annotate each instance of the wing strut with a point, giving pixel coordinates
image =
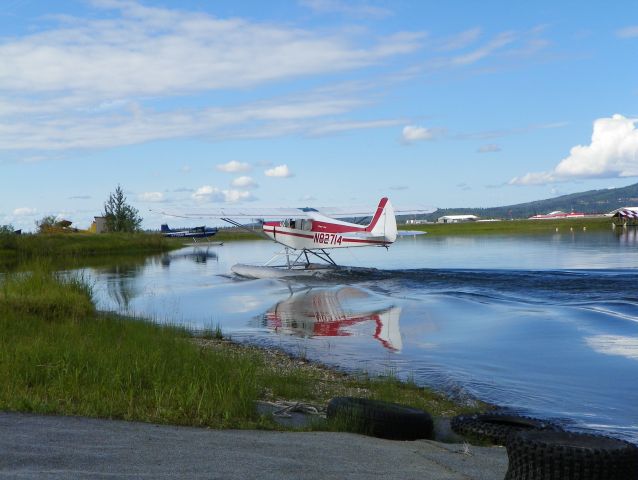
(241, 226)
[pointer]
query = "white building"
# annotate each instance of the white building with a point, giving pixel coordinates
(457, 218)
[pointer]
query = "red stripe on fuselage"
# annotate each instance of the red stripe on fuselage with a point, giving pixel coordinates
(324, 227)
(281, 232)
(348, 240)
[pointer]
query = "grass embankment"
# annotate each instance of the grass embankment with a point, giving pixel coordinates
(82, 244)
(232, 234)
(514, 227)
(58, 355)
(67, 247)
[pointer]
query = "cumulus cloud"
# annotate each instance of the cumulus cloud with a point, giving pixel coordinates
(414, 133)
(236, 196)
(279, 171)
(612, 152)
(151, 197)
(489, 148)
(233, 167)
(24, 211)
(207, 193)
(244, 182)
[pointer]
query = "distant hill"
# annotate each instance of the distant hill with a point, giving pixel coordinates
(592, 201)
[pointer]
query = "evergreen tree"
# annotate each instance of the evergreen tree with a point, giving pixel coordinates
(119, 215)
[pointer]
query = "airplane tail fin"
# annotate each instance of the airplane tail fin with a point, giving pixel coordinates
(384, 223)
(165, 228)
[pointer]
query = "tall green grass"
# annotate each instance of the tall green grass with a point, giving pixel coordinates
(29, 247)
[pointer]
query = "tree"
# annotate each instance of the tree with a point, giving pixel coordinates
(6, 229)
(119, 215)
(45, 224)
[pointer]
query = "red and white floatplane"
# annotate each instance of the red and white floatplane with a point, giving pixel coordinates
(308, 234)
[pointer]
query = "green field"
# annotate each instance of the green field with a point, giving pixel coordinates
(515, 227)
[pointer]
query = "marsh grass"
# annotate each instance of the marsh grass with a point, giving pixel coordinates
(72, 245)
(45, 294)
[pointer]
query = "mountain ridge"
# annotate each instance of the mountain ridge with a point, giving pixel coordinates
(589, 202)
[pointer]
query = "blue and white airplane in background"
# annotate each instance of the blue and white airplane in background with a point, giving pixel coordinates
(191, 232)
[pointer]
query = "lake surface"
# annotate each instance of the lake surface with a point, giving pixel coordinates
(544, 325)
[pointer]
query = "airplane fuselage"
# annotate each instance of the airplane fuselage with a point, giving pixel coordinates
(322, 232)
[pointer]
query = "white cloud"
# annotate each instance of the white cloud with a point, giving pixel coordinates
(233, 167)
(93, 83)
(175, 51)
(279, 171)
(151, 197)
(244, 182)
(24, 211)
(207, 193)
(414, 133)
(613, 152)
(236, 196)
(211, 194)
(628, 32)
(539, 178)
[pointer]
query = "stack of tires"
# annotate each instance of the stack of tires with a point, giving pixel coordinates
(539, 450)
(496, 427)
(542, 455)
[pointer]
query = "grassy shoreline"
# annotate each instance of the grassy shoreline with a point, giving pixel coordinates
(60, 356)
(515, 227)
(21, 248)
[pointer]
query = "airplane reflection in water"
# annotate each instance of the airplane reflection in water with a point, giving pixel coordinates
(197, 255)
(330, 312)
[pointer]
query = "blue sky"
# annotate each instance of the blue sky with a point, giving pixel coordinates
(190, 105)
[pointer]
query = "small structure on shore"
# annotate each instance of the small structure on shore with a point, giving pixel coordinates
(557, 215)
(457, 218)
(98, 225)
(625, 217)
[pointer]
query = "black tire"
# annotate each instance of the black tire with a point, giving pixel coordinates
(544, 455)
(496, 427)
(381, 419)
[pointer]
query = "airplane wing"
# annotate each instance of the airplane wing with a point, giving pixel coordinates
(250, 213)
(302, 212)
